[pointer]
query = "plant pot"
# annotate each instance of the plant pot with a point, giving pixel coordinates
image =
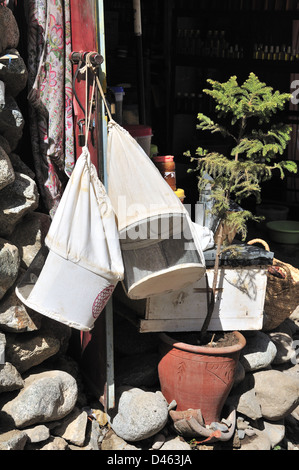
(198, 377)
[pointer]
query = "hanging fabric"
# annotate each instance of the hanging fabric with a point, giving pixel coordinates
(84, 262)
(50, 96)
(160, 247)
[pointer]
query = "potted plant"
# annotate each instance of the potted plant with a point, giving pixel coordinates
(256, 147)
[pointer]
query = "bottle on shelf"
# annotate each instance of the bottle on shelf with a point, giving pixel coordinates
(276, 53)
(282, 52)
(166, 166)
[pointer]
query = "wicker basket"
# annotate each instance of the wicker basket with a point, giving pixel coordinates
(282, 293)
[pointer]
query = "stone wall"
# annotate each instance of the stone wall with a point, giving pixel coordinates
(28, 341)
(22, 227)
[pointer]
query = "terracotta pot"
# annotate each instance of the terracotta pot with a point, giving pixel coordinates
(198, 377)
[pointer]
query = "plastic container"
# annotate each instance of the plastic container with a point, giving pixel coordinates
(142, 134)
(180, 194)
(118, 92)
(154, 150)
(272, 211)
(166, 166)
(284, 231)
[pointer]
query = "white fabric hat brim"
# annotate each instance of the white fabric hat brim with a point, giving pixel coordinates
(66, 292)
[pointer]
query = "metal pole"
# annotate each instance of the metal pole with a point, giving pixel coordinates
(109, 306)
(140, 72)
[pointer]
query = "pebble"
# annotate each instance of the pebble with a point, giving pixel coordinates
(38, 433)
(158, 441)
(218, 426)
(176, 443)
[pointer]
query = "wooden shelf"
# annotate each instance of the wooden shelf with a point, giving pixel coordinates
(200, 13)
(218, 62)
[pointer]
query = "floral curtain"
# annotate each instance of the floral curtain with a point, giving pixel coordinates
(50, 96)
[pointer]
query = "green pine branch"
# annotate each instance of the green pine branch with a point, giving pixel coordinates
(255, 153)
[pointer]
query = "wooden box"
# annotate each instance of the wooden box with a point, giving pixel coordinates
(239, 303)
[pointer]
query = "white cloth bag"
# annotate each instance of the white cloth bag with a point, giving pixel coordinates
(84, 262)
(160, 246)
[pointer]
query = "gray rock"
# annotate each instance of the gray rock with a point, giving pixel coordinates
(37, 433)
(292, 370)
(14, 316)
(2, 95)
(16, 200)
(46, 396)
(11, 122)
(244, 399)
(31, 349)
(10, 379)
(275, 431)
(9, 264)
(258, 353)
(283, 343)
(259, 441)
(28, 350)
(139, 414)
(13, 72)
(158, 441)
(73, 427)
(29, 235)
(2, 348)
(241, 423)
(13, 440)
(55, 443)
(93, 435)
(10, 34)
(277, 393)
(113, 442)
(7, 174)
(175, 443)
(250, 432)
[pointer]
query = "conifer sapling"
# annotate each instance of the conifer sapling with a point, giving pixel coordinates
(256, 149)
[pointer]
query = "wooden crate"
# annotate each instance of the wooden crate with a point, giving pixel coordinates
(239, 303)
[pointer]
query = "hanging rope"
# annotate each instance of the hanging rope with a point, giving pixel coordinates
(94, 71)
(86, 69)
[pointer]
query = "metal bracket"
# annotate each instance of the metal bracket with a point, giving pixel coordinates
(95, 57)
